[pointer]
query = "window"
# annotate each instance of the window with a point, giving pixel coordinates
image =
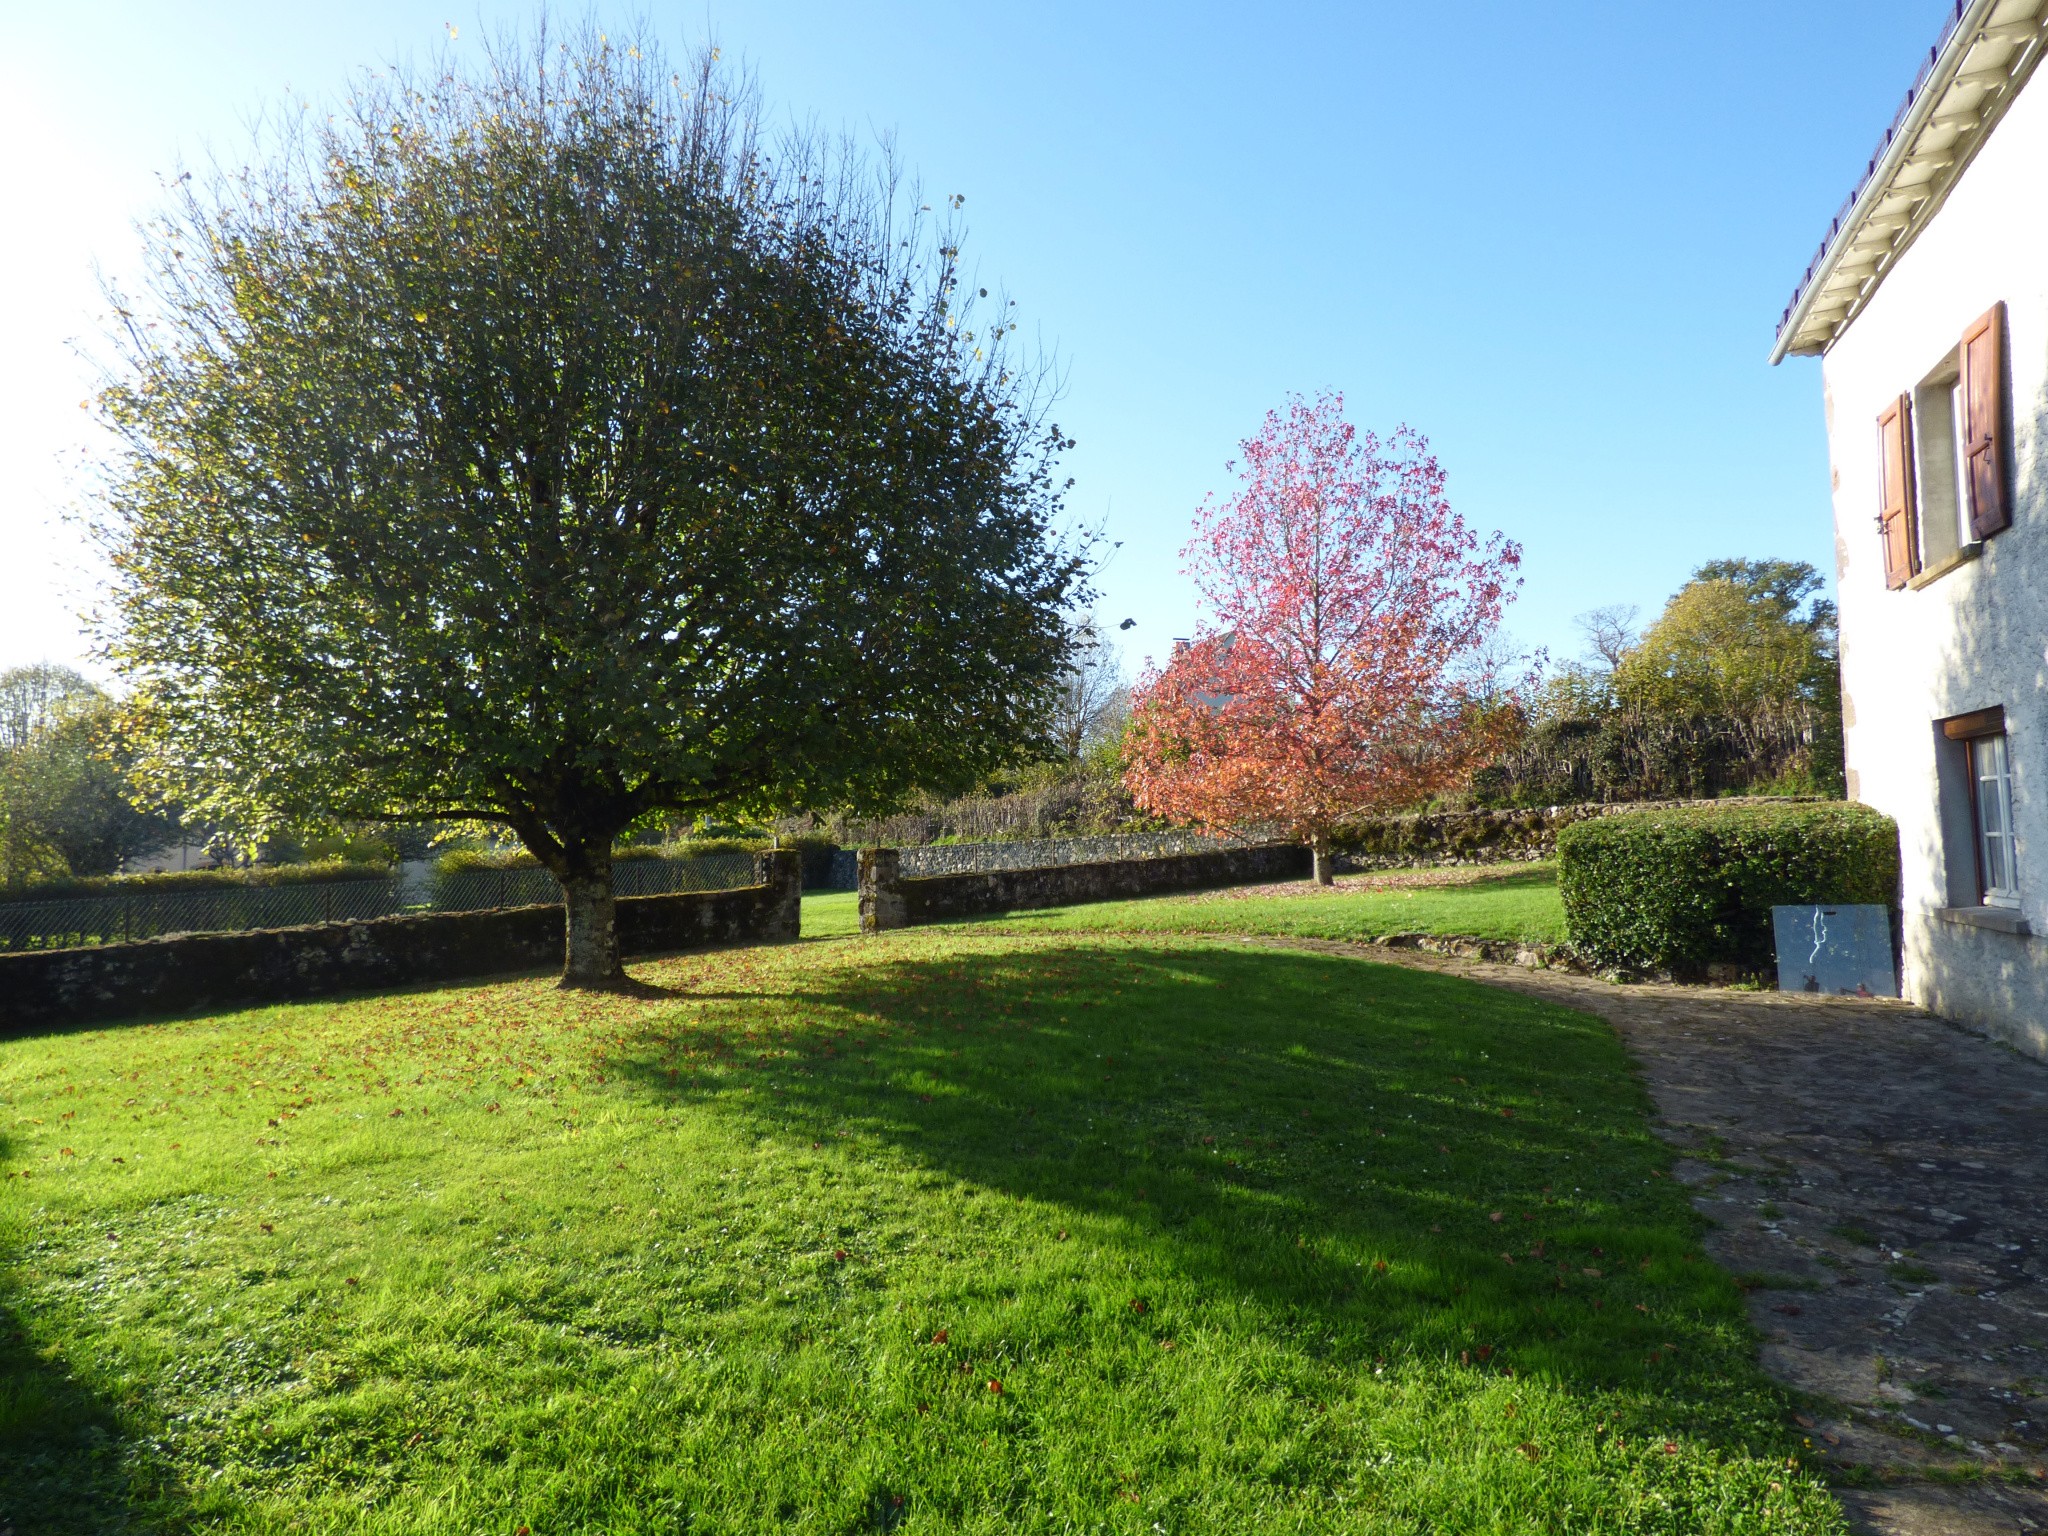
(1987, 764)
(1940, 473)
(1942, 448)
(1991, 793)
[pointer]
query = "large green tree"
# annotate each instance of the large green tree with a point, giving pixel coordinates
(535, 444)
(1742, 637)
(66, 802)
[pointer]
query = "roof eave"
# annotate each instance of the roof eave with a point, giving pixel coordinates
(1820, 295)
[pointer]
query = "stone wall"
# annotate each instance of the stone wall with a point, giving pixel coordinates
(888, 900)
(1483, 837)
(40, 989)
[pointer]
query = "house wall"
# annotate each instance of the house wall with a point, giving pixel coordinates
(1973, 637)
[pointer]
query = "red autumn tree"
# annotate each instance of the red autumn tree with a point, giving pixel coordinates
(1342, 669)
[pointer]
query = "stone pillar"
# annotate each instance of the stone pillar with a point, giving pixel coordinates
(782, 871)
(881, 891)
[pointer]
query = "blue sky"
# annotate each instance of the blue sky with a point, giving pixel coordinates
(1555, 238)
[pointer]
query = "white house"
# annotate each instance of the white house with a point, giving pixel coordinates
(1928, 305)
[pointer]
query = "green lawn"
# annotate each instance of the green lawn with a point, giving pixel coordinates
(831, 914)
(942, 1231)
(1520, 905)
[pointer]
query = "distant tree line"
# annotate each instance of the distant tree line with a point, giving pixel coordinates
(67, 806)
(1734, 689)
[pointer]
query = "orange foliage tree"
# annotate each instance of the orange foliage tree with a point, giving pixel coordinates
(1341, 671)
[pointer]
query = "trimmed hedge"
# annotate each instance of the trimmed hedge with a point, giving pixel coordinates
(1683, 890)
(461, 860)
(233, 878)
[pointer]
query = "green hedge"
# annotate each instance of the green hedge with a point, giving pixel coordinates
(232, 878)
(1681, 890)
(460, 859)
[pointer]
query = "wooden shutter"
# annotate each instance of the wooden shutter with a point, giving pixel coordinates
(1985, 415)
(1895, 521)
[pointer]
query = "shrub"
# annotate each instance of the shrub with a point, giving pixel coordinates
(201, 880)
(458, 860)
(1680, 890)
(697, 847)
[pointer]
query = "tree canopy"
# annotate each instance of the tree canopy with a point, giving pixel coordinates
(539, 446)
(1733, 688)
(1742, 636)
(66, 804)
(1340, 670)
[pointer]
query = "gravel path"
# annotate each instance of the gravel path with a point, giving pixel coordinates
(1881, 1178)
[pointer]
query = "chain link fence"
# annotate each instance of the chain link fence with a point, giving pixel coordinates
(84, 920)
(1046, 853)
(478, 890)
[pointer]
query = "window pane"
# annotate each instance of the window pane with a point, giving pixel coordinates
(1959, 463)
(1994, 816)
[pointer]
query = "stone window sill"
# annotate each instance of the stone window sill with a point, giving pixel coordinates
(1940, 568)
(1997, 919)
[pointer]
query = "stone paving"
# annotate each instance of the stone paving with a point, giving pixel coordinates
(1879, 1180)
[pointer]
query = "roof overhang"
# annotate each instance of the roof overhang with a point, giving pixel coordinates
(1986, 53)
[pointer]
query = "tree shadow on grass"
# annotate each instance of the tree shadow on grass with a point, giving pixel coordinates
(1385, 1162)
(68, 1463)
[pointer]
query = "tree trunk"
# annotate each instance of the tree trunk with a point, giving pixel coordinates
(1319, 847)
(591, 952)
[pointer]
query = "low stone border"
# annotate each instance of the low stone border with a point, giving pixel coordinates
(890, 900)
(1490, 837)
(54, 987)
(1533, 957)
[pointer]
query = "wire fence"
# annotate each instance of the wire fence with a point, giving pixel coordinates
(1045, 853)
(87, 920)
(478, 890)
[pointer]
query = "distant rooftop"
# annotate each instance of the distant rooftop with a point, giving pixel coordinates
(1986, 51)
